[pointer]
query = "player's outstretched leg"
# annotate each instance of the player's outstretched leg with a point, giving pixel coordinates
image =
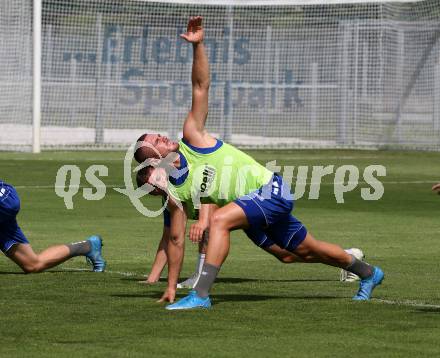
(312, 250)
(30, 262)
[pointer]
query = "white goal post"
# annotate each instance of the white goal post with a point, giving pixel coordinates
(89, 74)
(36, 94)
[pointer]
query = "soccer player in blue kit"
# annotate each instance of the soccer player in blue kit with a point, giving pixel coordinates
(14, 244)
(262, 207)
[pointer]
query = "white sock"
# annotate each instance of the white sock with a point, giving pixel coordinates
(200, 263)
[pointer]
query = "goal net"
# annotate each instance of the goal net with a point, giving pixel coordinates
(298, 73)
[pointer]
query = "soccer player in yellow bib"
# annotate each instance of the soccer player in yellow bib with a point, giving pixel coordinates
(250, 197)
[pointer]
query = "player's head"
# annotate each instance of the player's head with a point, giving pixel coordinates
(156, 177)
(154, 146)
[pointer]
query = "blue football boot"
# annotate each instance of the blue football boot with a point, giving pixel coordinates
(190, 301)
(94, 257)
(368, 284)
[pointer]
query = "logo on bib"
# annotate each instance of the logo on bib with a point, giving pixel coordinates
(208, 176)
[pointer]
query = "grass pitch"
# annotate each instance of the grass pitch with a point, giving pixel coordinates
(262, 308)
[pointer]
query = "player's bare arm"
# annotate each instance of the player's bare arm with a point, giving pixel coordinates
(194, 131)
(198, 228)
(160, 259)
(175, 249)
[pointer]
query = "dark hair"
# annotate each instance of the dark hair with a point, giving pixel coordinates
(142, 152)
(143, 175)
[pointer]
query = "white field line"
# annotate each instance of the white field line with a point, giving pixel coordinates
(406, 303)
(97, 160)
(121, 273)
(64, 187)
(308, 183)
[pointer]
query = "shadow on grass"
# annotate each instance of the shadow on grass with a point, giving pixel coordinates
(75, 342)
(217, 298)
(11, 273)
(141, 278)
(254, 298)
(234, 280)
(156, 295)
(242, 280)
(428, 310)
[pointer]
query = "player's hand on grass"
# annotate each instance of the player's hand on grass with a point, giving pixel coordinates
(436, 188)
(196, 232)
(194, 32)
(168, 296)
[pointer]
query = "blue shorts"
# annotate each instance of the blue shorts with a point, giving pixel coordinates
(10, 232)
(268, 213)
